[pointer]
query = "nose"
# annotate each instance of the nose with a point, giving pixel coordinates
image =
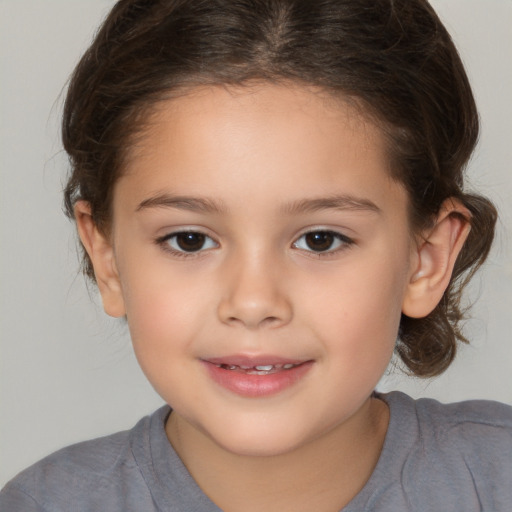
(254, 296)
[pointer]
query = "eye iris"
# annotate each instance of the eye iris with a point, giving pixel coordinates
(320, 240)
(190, 242)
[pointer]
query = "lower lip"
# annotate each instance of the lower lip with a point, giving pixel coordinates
(257, 385)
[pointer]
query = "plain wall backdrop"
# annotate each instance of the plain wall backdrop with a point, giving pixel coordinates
(67, 372)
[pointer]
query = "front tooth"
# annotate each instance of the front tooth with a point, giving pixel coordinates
(264, 368)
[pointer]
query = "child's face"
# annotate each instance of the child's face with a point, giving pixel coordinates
(249, 173)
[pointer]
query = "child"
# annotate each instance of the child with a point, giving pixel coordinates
(271, 192)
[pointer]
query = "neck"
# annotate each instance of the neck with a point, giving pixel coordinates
(322, 475)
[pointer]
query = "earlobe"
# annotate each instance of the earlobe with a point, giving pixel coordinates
(101, 253)
(435, 255)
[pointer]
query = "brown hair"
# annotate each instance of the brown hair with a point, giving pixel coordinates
(392, 56)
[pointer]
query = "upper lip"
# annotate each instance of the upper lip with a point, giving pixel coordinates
(251, 361)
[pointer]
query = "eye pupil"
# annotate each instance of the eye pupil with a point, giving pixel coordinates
(190, 242)
(320, 240)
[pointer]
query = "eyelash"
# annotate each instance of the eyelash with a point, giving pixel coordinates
(343, 242)
(164, 243)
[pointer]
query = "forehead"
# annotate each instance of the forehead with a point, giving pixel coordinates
(260, 138)
(287, 107)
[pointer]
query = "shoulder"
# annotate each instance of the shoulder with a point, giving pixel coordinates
(67, 474)
(93, 457)
(468, 425)
(480, 427)
(477, 434)
(80, 475)
(441, 419)
(480, 412)
(454, 452)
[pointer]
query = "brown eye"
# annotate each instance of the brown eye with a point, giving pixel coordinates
(322, 241)
(188, 242)
(319, 240)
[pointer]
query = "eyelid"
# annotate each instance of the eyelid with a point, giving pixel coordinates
(344, 241)
(163, 241)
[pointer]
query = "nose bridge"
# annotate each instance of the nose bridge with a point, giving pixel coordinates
(253, 291)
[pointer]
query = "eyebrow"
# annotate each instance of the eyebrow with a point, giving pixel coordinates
(337, 202)
(194, 204)
(206, 205)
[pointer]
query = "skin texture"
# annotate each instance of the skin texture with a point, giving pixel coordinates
(259, 167)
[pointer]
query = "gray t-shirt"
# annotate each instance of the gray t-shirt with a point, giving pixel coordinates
(436, 457)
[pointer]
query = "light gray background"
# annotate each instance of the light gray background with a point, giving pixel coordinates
(67, 371)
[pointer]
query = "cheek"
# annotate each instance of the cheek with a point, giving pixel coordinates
(357, 311)
(162, 307)
(362, 292)
(163, 323)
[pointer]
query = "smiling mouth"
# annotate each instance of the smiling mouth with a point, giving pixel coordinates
(266, 369)
(258, 376)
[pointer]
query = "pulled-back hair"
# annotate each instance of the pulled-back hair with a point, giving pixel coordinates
(393, 57)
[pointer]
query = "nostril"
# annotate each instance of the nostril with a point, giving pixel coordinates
(270, 320)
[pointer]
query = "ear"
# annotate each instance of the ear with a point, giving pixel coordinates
(101, 252)
(435, 255)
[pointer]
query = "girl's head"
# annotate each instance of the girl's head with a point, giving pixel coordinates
(389, 64)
